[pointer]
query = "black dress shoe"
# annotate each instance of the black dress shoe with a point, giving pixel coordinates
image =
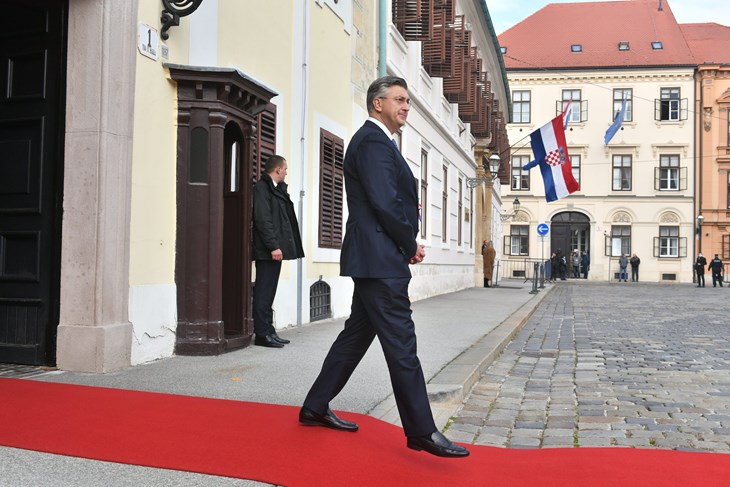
(279, 339)
(437, 444)
(309, 418)
(267, 341)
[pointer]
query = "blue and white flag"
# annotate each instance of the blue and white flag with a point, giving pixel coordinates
(616, 125)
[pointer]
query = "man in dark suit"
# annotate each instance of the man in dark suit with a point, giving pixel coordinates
(380, 243)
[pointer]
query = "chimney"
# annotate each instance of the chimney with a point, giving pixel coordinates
(660, 9)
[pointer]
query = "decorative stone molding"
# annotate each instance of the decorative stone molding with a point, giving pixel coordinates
(707, 119)
(521, 217)
(621, 217)
(669, 217)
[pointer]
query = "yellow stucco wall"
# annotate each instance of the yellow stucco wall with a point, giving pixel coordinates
(153, 213)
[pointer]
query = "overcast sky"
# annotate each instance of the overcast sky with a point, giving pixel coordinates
(506, 13)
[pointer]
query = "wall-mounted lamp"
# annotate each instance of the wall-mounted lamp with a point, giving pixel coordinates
(700, 219)
(173, 10)
(515, 209)
(491, 166)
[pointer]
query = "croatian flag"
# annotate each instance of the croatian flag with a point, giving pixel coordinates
(551, 154)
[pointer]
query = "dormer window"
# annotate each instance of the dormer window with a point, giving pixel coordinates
(576, 48)
(623, 46)
(503, 49)
(656, 45)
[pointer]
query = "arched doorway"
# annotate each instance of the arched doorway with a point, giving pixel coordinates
(570, 230)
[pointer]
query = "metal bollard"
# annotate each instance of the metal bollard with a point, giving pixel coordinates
(534, 279)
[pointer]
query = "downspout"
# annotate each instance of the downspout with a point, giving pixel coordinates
(303, 155)
(697, 166)
(382, 37)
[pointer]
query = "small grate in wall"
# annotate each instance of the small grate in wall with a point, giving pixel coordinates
(320, 301)
(669, 277)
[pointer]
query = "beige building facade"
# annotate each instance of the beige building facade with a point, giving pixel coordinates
(163, 130)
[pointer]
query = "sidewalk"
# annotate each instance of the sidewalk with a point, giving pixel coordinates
(459, 335)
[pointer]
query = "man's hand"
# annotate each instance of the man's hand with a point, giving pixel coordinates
(276, 254)
(420, 255)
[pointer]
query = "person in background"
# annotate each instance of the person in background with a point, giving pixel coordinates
(585, 263)
(576, 264)
(488, 254)
(634, 261)
(623, 263)
(717, 268)
(380, 244)
(700, 264)
(549, 268)
(275, 239)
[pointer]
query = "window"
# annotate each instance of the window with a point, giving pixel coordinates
(503, 49)
(618, 98)
(728, 130)
(668, 173)
(265, 143)
(670, 104)
(331, 158)
(728, 190)
(623, 46)
(576, 108)
(619, 243)
(726, 247)
(656, 45)
(668, 241)
(576, 48)
(575, 167)
(444, 204)
(520, 177)
(424, 192)
(459, 214)
(517, 242)
(520, 107)
(621, 173)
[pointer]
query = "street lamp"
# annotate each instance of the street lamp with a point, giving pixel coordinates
(700, 219)
(515, 209)
(491, 166)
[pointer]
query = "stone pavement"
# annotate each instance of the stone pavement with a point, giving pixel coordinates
(610, 364)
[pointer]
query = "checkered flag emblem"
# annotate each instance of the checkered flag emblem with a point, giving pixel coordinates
(555, 157)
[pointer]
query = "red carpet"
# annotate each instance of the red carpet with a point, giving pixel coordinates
(264, 442)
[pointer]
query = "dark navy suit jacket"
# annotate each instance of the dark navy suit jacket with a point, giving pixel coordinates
(382, 199)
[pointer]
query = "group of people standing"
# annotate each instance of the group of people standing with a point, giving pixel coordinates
(716, 267)
(560, 266)
(623, 264)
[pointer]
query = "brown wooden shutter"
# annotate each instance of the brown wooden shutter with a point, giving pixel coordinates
(437, 53)
(413, 18)
(331, 189)
(265, 144)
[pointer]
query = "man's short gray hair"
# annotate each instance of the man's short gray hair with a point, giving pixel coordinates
(379, 88)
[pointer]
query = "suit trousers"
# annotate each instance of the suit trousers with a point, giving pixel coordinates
(380, 307)
(264, 292)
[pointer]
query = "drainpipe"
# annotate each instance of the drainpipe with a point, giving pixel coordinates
(303, 154)
(382, 37)
(697, 166)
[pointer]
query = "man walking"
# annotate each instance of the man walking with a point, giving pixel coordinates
(275, 238)
(379, 244)
(700, 264)
(716, 267)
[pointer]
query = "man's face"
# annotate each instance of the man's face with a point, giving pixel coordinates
(392, 109)
(280, 173)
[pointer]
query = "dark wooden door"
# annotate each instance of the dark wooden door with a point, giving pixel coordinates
(236, 272)
(32, 81)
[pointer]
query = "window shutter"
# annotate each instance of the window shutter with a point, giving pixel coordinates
(683, 109)
(683, 246)
(657, 176)
(331, 190)
(656, 246)
(607, 246)
(657, 109)
(265, 144)
(507, 245)
(413, 18)
(584, 111)
(682, 178)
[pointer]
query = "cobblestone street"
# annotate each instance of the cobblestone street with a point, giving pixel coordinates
(624, 364)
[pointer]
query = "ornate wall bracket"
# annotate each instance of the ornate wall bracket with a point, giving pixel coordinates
(173, 10)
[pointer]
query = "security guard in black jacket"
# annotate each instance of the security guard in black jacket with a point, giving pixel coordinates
(716, 267)
(275, 238)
